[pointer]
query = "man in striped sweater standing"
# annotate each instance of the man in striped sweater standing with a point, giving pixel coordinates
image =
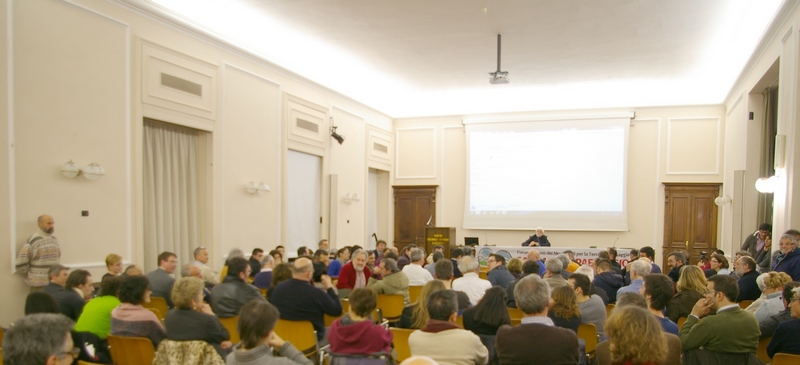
(39, 253)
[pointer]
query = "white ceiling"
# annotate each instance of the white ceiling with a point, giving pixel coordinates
(409, 58)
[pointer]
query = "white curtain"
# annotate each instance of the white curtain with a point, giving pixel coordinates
(170, 192)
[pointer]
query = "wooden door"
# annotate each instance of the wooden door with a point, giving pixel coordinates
(690, 220)
(413, 207)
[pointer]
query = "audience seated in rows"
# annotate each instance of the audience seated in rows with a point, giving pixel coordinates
(96, 315)
(536, 340)
(161, 279)
(114, 266)
(281, 273)
(591, 306)
(431, 267)
(470, 283)
(690, 288)
(788, 260)
(443, 271)
(255, 261)
(564, 311)
(342, 256)
(298, 300)
(201, 261)
(514, 267)
(354, 274)
(605, 278)
(635, 337)
(263, 279)
(193, 320)
(442, 339)
(528, 267)
(639, 269)
(356, 332)
(657, 291)
(417, 275)
(405, 258)
(58, 279)
(73, 298)
(130, 318)
(320, 261)
(489, 314)
(552, 275)
(415, 316)
(589, 272)
(773, 288)
(393, 281)
(256, 326)
(786, 339)
(746, 271)
(39, 339)
(233, 292)
(718, 266)
(455, 257)
(194, 271)
(498, 274)
(769, 325)
(676, 260)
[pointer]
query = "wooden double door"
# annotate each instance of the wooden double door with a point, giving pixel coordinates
(414, 209)
(690, 220)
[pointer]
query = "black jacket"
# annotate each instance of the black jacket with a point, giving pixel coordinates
(610, 282)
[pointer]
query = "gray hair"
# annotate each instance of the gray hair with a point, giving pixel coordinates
(553, 264)
(185, 270)
(55, 270)
(641, 267)
(532, 294)
(417, 254)
(564, 260)
(359, 252)
(390, 264)
(760, 281)
(790, 237)
(267, 259)
(36, 337)
(235, 253)
(585, 270)
(467, 264)
(198, 250)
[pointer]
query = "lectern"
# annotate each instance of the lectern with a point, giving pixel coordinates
(439, 236)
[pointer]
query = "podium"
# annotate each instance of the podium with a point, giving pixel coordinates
(439, 236)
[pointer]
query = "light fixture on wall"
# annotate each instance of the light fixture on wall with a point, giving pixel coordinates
(767, 184)
(338, 137)
(253, 188)
(93, 171)
(723, 200)
(349, 198)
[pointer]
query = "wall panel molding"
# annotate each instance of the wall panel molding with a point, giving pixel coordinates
(417, 158)
(694, 146)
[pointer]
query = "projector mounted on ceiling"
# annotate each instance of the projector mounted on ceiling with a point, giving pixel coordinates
(498, 77)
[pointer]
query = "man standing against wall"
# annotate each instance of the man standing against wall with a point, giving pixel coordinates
(39, 253)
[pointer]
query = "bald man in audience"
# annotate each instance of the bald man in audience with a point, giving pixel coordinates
(745, 268)
(298, 300)
(534, 254)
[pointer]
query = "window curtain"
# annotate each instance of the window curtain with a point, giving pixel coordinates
(170, 192)
(768, 131)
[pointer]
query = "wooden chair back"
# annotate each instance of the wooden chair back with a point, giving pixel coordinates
(515, 313)
(400, 341)
(131, 350)
(785, 359)
(300, 333)
(761, 352)
(345, 305)
(681, 321)
(609, 309)
(157, 313)
(588, 332)
(263, 292)
(413, 292)
(223, 273)
(745, 303)
(460, 321)
(483, 275)
(231, 324)
(159, 304)
(391, 306)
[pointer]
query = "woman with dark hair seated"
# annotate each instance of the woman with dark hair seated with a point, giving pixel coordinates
(257, 319)
(193, 320)
(489, 314)
(131, 318)
(356, 333)
(96, 315)
(40, 302)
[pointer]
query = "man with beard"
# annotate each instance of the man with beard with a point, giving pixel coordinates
(354, 274)
(39, 253)
(745, 268)
(539, 239)
(675, 260)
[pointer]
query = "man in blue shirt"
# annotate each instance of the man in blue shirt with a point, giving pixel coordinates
(657, 291)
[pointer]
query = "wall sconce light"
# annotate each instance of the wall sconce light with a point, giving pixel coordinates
(723, 200)
(767, 184)
(253, 188)
(349, 198)
(93, 171)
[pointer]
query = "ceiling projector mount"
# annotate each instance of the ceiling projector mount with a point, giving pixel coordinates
(498, 77)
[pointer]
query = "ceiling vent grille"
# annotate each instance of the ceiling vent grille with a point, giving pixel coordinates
(309, 126)
(184, 85)
(380, 148)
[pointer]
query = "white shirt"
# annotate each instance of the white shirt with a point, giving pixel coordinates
(473, 285)
(417, 275)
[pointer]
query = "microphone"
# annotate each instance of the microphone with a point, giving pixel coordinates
(428, 224)
(615, 243)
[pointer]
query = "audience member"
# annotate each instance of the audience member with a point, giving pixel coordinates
(719, 266)
(323, 244)
(639, 269)
(455, 256)
(436, 248)
(304, 251)
(73, 298)
(731, 330)
(589, 272)
(745, 268)
(263, 280)
(489, 314)
(470, 283)
(565, 262)
(514, 266)
(356, 333)
(773, 287)
(39, 339)
(320, 260)
(591, 306)
(650, 254)
(634, 299)
(193, 320)
(380, 247)
(612, 256)
(785, 339)
(432, 266)
(417, 275)
(201, 261)
(114, 265)
(635, 337)
(675, 260)
(234, 252)
(96, 315)
(415, 316)
(342, 257)
(444, 273)
(277, 256)
(528, 267)
(657, 291)
(256, 329)
(40, 302)
(234, 291)
(691, 287)
(564, 309)
(788, 260)
(161, 279)
(393, 281)
(354, 274)
(194, 271)
(498, 273)
(769, 325)
(39, 253)
(298, 300)
(281, 250)
(536, 340)
(132, 270)
(538, 239)
(255, 261)
(552, 274)
(765, 255)
(755, 242)
(462, 347)
(405, 258)
(58, 279)
(130, 318)
(281, 273)
(606, 279)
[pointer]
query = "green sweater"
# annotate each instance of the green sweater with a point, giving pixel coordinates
(96, 316)
(732, 330)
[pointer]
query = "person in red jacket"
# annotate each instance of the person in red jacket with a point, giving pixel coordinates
(356, 332)
(354, 274)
